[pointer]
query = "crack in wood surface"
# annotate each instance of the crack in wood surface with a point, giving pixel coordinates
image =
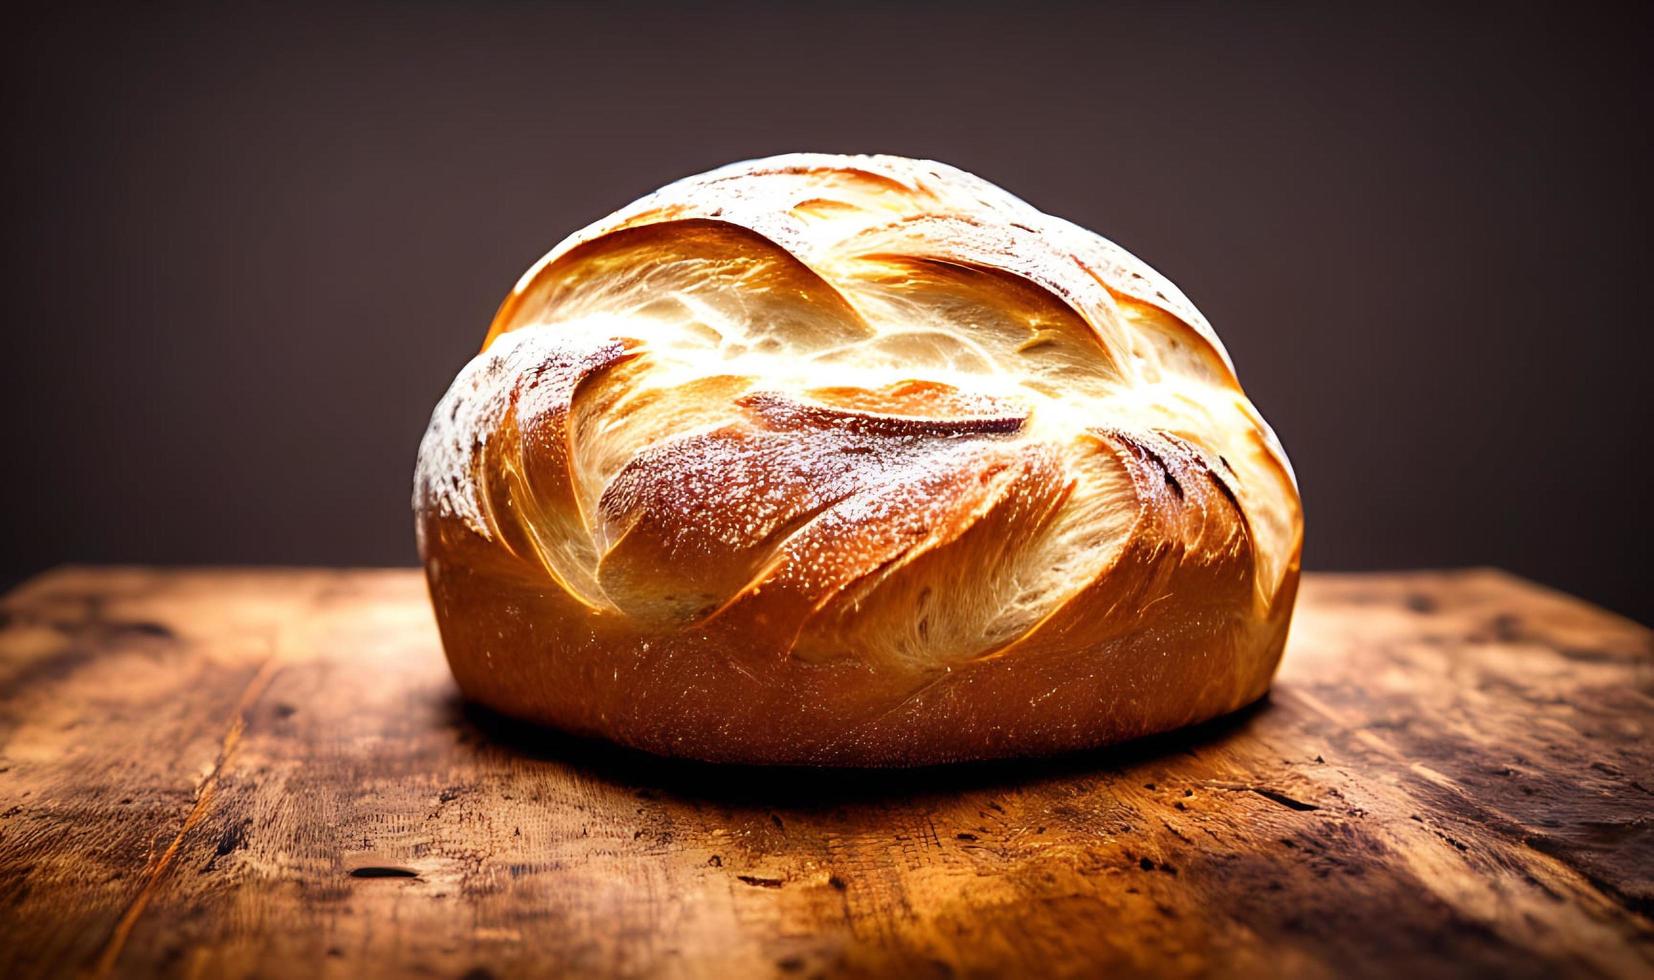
(255, 689)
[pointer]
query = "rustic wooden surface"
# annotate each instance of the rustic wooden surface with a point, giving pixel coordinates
(215, 773)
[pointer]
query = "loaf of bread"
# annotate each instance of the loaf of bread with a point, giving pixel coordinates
(833, 460)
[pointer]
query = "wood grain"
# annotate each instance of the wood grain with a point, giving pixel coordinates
(243, 772)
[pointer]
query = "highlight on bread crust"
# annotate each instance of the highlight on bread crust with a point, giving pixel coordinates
(842, 460)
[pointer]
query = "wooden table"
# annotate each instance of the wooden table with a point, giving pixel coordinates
(213, 772)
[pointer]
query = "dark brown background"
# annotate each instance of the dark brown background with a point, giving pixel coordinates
(246, 250)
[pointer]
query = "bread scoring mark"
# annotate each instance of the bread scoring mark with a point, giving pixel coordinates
(1191, 546)
(532, 371)
(1188, 517)
(685, 267)
(994, 288)
(537, 500)
(1169, 461)
(916, 398)
(777, 411)
(959, 592)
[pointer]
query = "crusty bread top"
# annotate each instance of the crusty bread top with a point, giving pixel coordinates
(877, 405)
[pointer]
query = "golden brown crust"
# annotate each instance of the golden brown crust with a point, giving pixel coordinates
(854, 461)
